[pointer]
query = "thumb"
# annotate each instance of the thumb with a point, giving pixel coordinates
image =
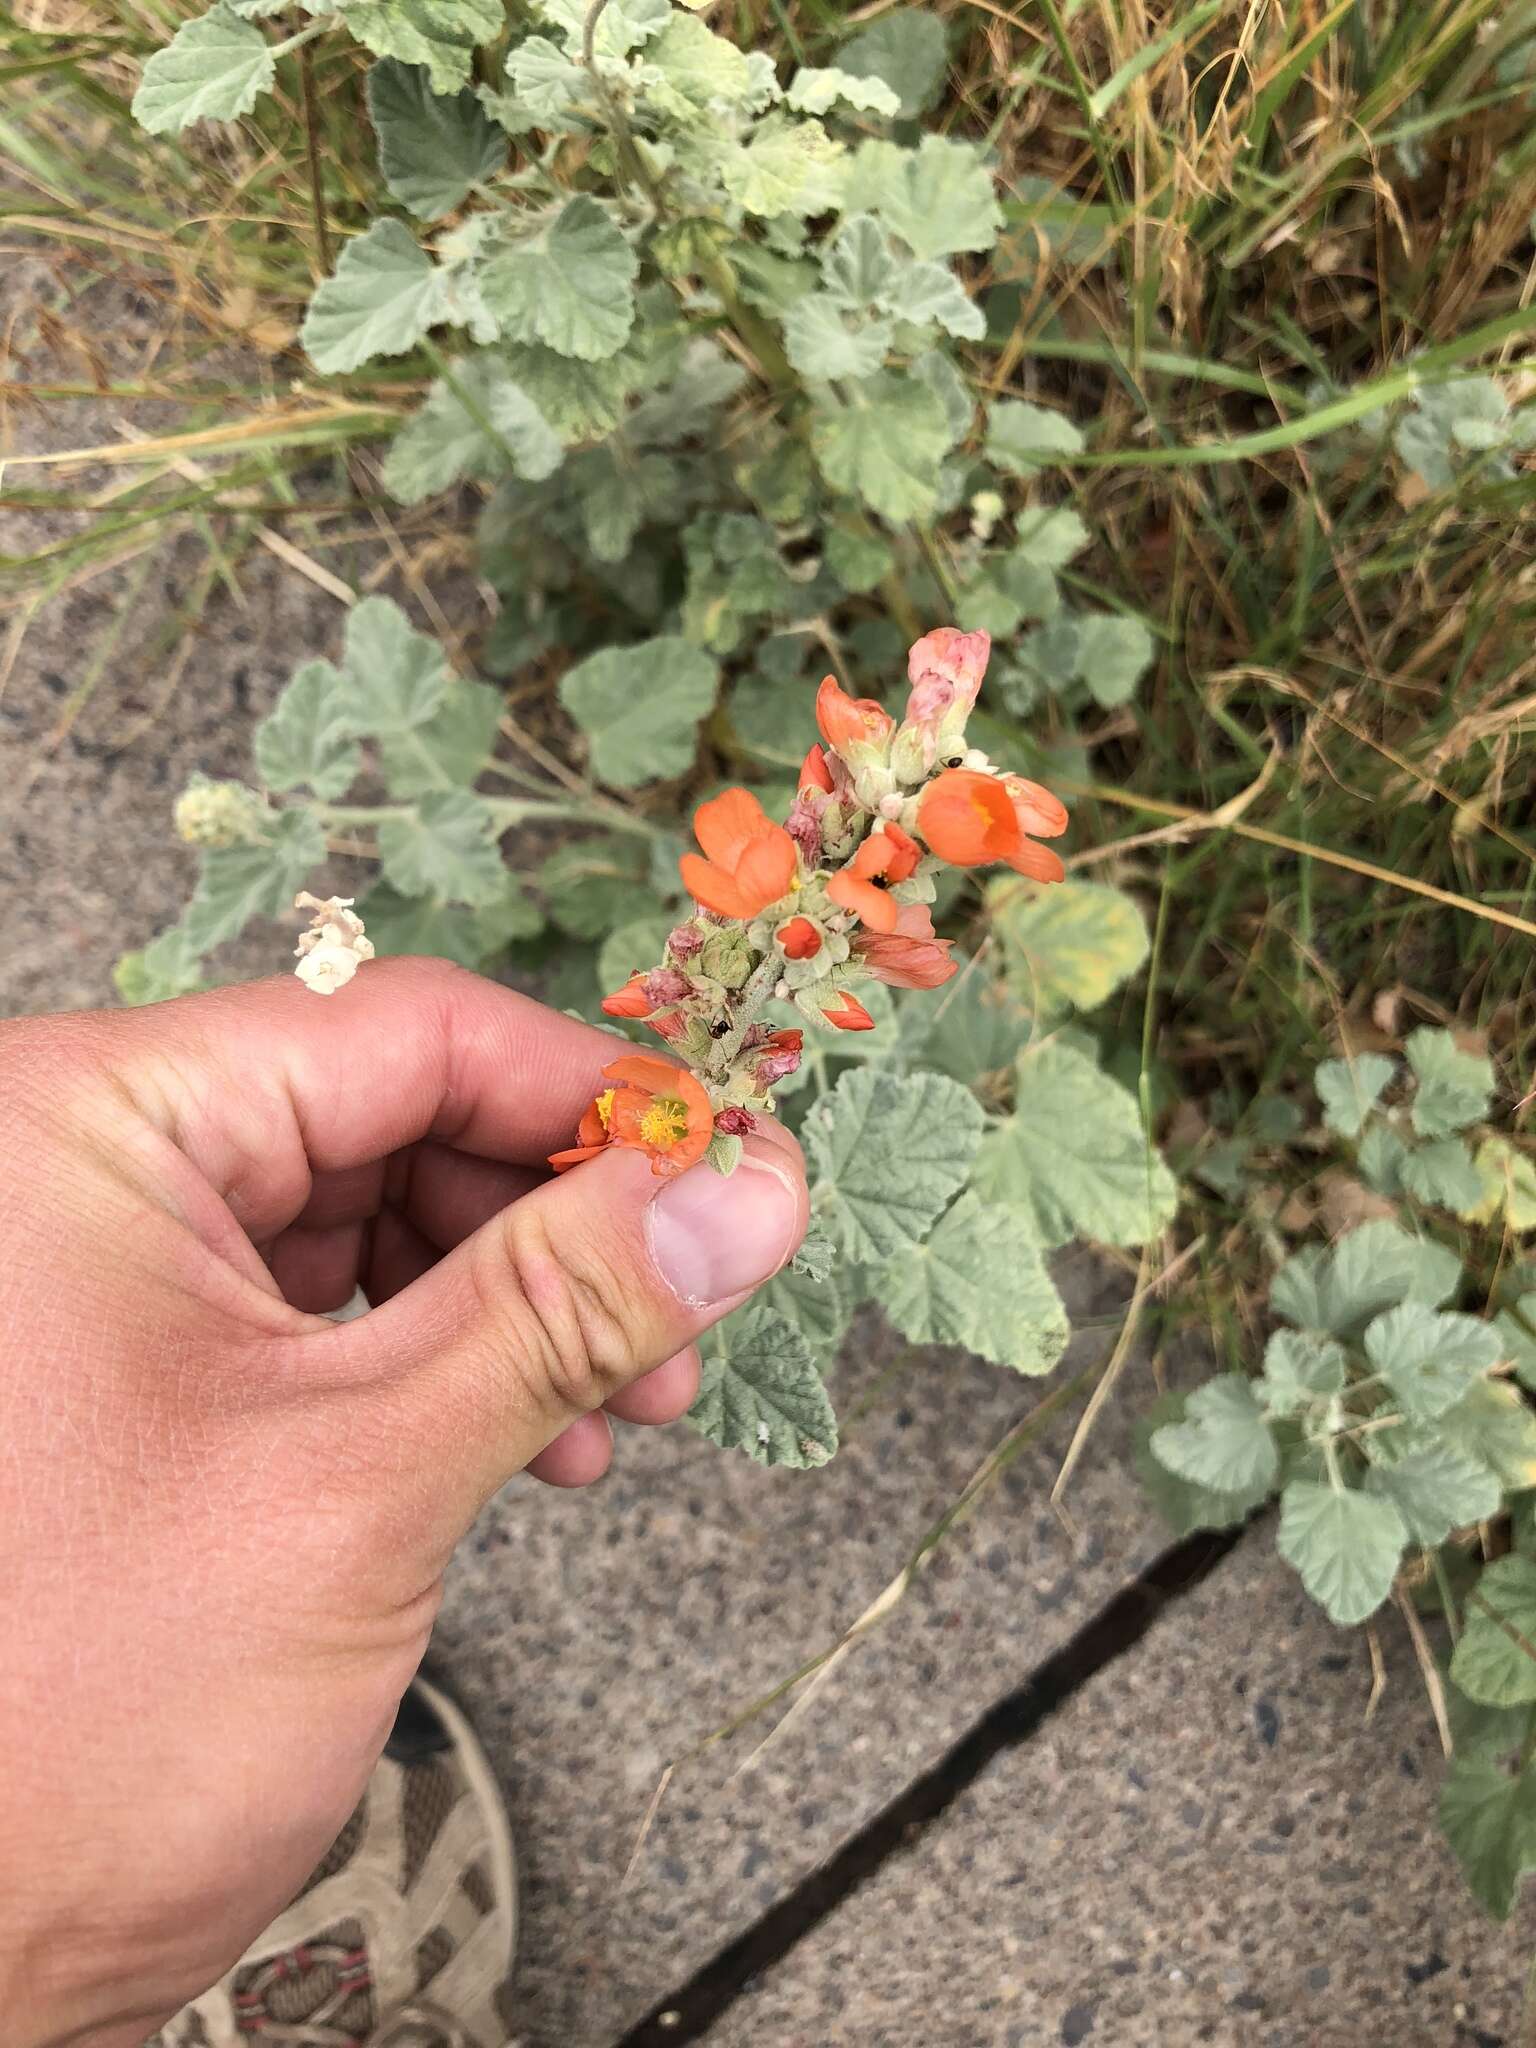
(571, 1293)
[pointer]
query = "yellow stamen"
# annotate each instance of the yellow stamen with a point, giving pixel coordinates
(605, 1106)
(665, 1123)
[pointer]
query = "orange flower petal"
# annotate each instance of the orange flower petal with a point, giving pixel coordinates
(850, 1015)
(766, 869)
(727, 825)
(814, 772)
(968, 818)
(846, 721)
(902, 962)
(560, 1161)
(1037, 861)
(1036, 809)
(799, 938)
(870, 905)
(714, 888)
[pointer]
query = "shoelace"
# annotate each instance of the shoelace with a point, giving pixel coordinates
(416, 2025)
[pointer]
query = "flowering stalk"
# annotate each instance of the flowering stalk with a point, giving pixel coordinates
(801, 913)
(805, 911)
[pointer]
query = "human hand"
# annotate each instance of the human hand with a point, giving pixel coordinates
(226, 1518)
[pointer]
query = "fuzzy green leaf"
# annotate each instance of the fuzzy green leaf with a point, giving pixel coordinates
(1298, 1369)
(213, 69)
(1429, 1360)
(820, 1310)
(1113, 654)
(1183, 1505)
(448, 749)
(384, 296)
(938, 197)
(433, 147)
(1075, 1155)
(579, 400)
(930, 294)
(1443, 1174)
(1070, 944)
(446, 847)
(819, 91)
(698, 69)
(1454, 1086)
(1506, 1183)
(1495, 1661)
(1050, 538)
(1435, 1488)
(640, 707)
(297, 744)
(884, 446)
(1351, 1089)
(400, 924)
(907, 50)
(972, 1031)
(441, 34)
(1376, 1266)
(888, 1155)
(980, 1281)
(1023, 438)
(475, 422)
(1494, 1423)
(622, 26)
(1517, 1339)
(543, 85)
(822, 344)
(760, 1392)
(1346, 1546)
(859, 264)
(571, 286)
(392, 678)
(166, 967)
(255, 879)
(1224, 1442)
(787, 167)
(1489, 1820)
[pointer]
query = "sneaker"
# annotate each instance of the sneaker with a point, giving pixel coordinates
(404, 1936)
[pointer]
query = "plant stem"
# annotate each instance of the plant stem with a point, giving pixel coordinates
(757, 991)
(312, 153)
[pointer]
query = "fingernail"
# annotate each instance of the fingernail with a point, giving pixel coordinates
(713, 1237)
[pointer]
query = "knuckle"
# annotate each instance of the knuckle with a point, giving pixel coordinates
(557, 1320)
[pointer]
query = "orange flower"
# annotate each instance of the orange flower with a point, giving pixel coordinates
(750, 861)
(814, 772)
(889, 856)
(629, 1001)
(661, 1109)
(799, 938)
(848, 722)
(847, 1013)
(593, 1134)
(970, 819)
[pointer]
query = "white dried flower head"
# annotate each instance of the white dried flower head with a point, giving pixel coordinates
(217, 814)
(334, 947)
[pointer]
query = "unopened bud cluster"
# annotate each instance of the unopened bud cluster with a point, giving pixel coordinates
(217, 814)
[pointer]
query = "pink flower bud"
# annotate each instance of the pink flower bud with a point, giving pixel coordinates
(684, 941)
(667, 985)
(945, 669)
(736, 1123)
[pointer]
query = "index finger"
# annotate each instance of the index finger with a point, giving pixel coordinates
(265, 1084)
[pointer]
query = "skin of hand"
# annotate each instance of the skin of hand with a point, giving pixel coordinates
(226, 1518)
